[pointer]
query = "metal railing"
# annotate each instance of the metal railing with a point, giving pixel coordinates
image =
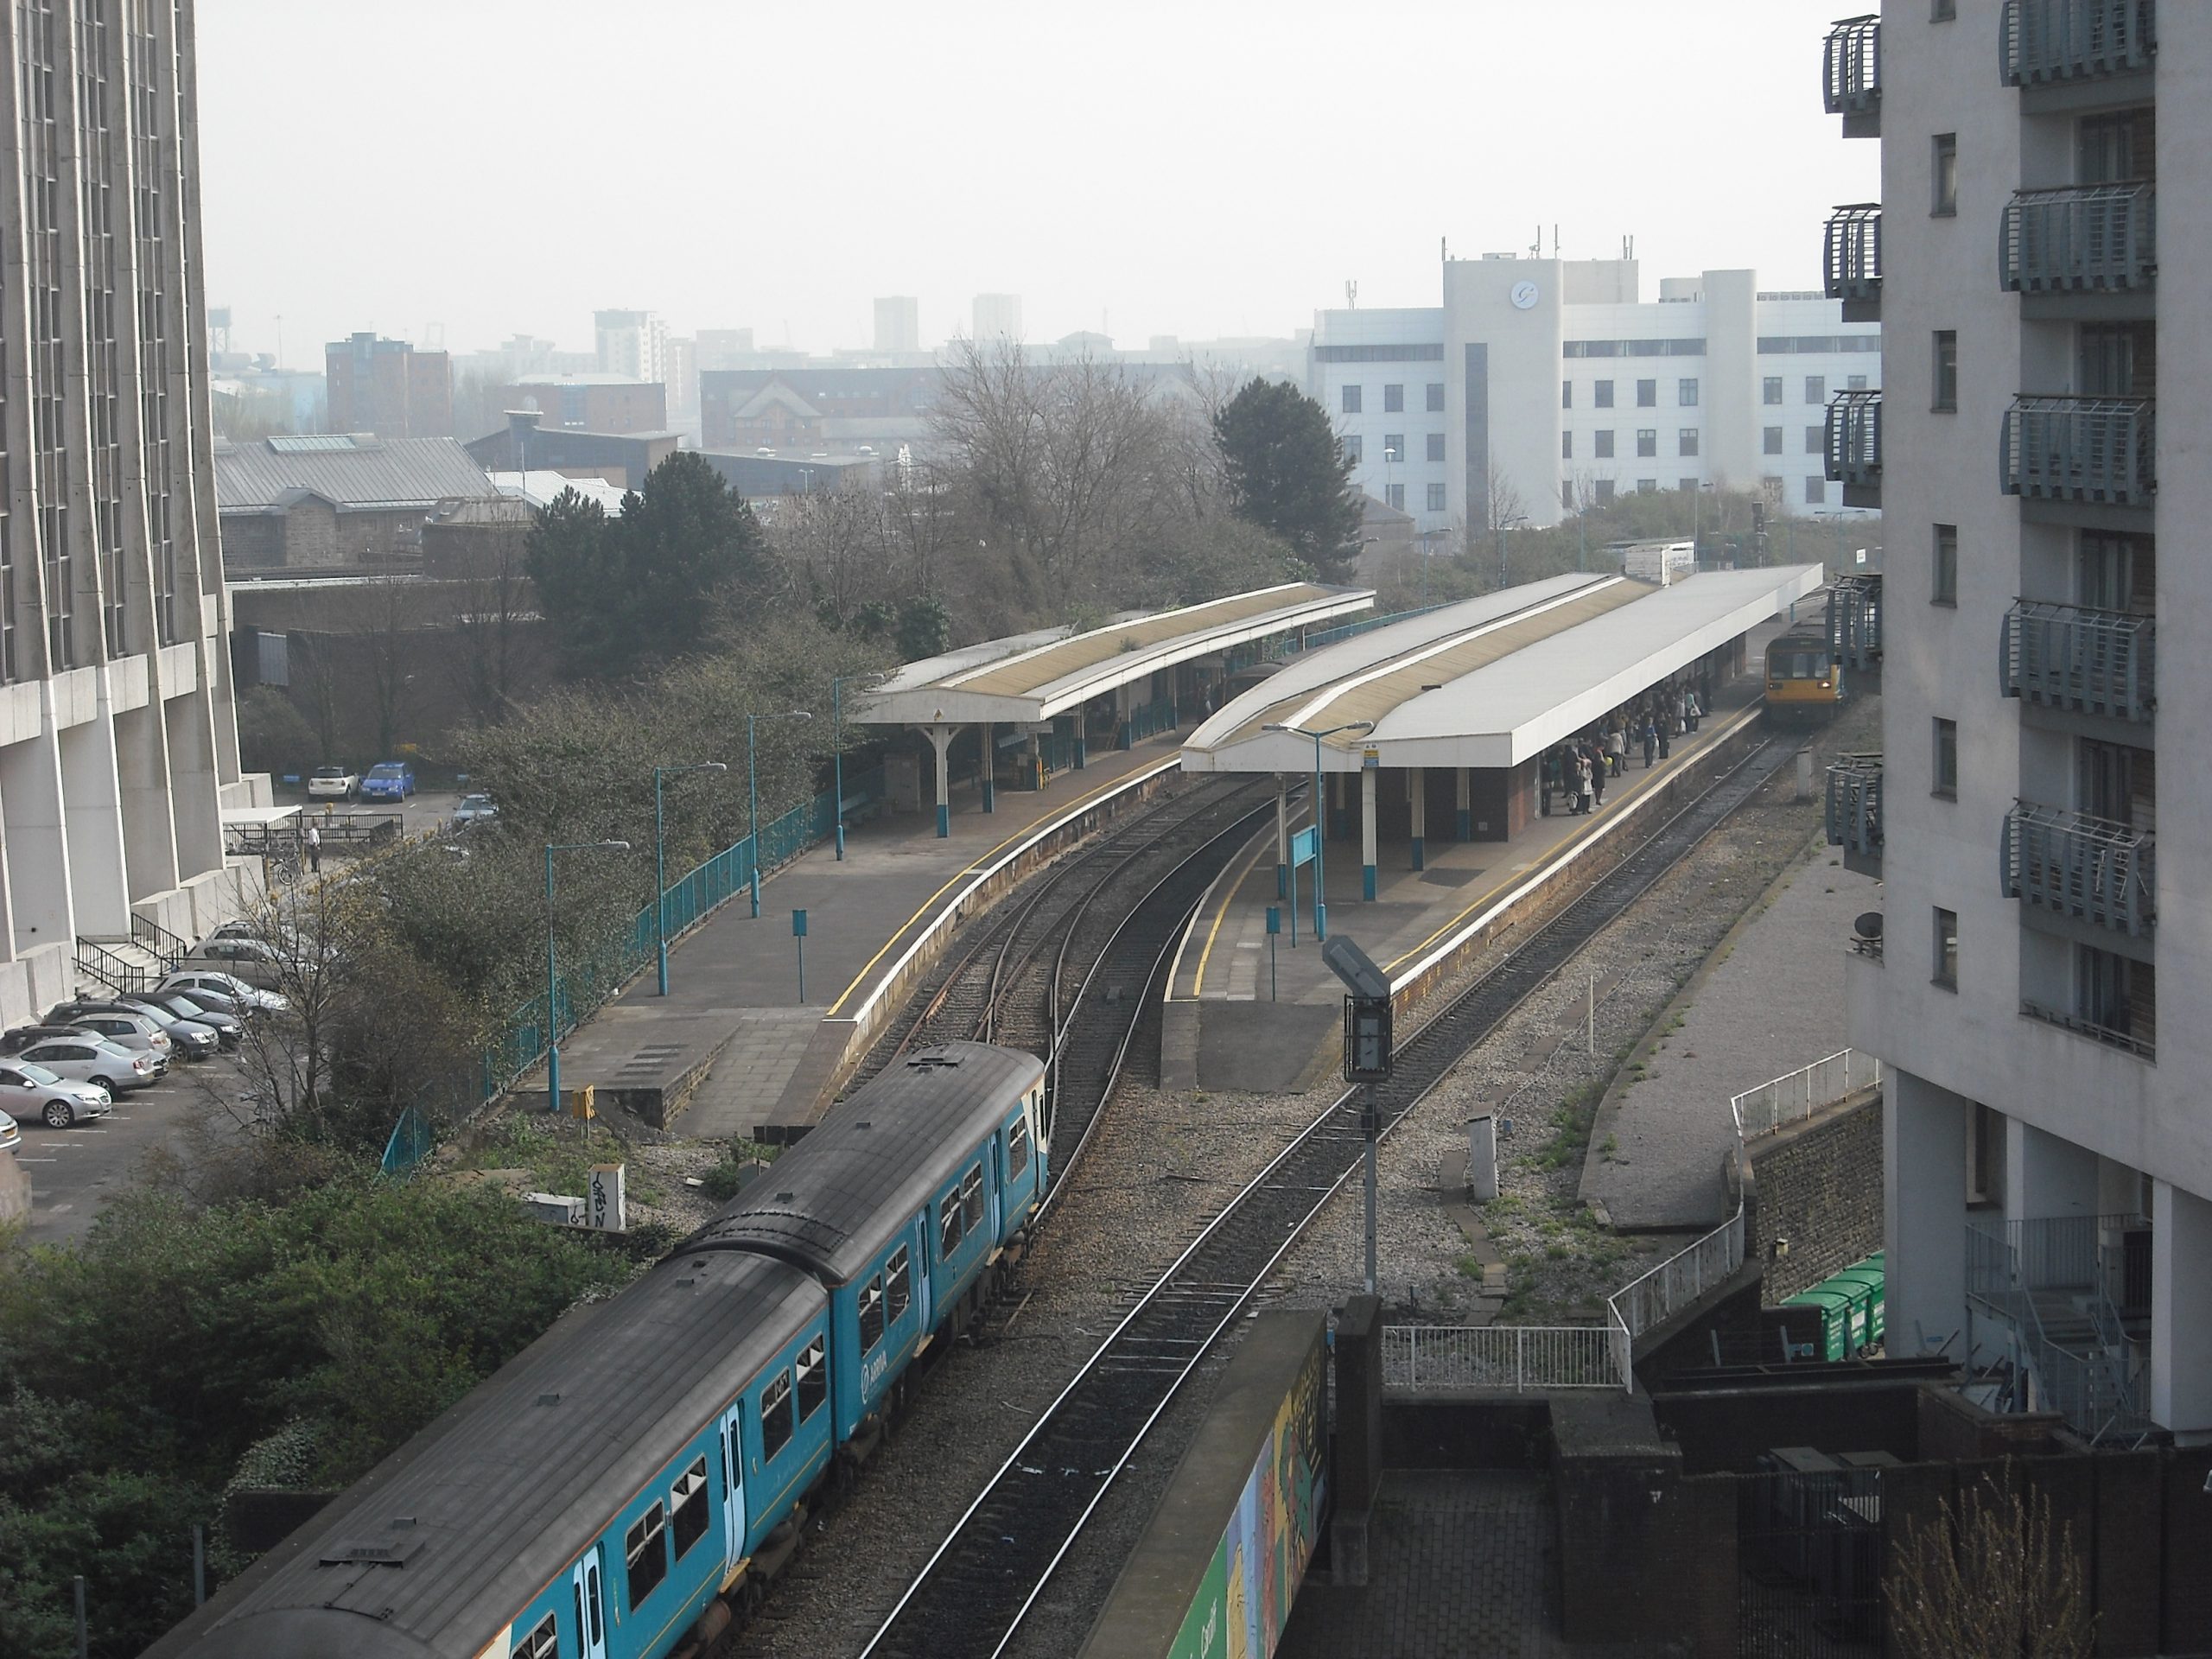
(2015, 1269)
(2095, 450)
(2070, 657)
(1512, 1357)
(1147, 720)
(158, 942)
(2075, 865)
(1683, 1281)
(1855, 621)
(2143, 1048)
(2072, 40)
(1795, 1095)
(1854, 806)
(1851, 66)
(119, 974)
(1853, 456)
(2097, 237)
(1851, 261)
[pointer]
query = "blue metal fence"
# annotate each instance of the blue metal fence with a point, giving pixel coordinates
(1148, 720)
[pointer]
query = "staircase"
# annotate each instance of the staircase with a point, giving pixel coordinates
(116, 967)
(2068, 1348)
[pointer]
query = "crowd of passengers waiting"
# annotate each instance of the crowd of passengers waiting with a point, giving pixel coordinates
(1579, 766)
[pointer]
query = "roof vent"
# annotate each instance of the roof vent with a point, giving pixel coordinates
(548, 1399)
(932, 1061)
(783, 1198)
(865, 1124)
(354, 1552)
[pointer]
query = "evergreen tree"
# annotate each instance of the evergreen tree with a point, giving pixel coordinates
(1288, 474)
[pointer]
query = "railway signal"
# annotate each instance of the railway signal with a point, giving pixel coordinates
(1367, 1052)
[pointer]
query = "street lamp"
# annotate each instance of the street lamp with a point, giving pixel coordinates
(660, 863)
(552, 971)
(753, 793)
(1505, 524)
(837, 756)
(1320, 818)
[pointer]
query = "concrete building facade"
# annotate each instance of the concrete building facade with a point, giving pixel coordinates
(387, 387)
(593, 403)
(118, 739)
(632, 345)
(897, 324)
(1542, 385)
(2048, 1145)
(996, 316)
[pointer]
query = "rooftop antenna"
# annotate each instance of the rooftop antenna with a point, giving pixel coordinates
(1555, 238)
(1351, 295)
(1536, 248)
(1444, 248)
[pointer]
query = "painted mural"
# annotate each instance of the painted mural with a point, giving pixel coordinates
(1244, 1600)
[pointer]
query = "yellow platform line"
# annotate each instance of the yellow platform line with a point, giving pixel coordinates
(1228, 898)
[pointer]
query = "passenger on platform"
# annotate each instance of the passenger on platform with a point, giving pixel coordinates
(1664, 725)
(1616, 749)
(1580, 786)
(1695, 709)
(1648, 734)
(1597, 773)
(1681, 712)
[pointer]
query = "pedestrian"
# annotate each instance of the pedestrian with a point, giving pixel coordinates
(1548, 776)
(1597, 775)
(1682, 713)
(1581, 784)
(1616, 750)
(1650, 737)
(1695, 709)
(315, 850)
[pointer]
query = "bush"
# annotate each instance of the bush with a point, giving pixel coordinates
(273, 735)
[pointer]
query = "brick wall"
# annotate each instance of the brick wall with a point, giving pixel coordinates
(1819, 1185)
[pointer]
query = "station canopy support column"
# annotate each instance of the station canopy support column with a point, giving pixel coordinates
(1462, 783)
(1367, 777)
(1417, 799)
(1282, 835)
(941, 739)
(989, 774)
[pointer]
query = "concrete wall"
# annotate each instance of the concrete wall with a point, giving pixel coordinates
(15, 1190)
(1819, 1186)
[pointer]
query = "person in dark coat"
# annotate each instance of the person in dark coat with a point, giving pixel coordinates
(1650, 736)
(1597, 773)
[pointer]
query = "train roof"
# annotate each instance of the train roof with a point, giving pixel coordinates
(463, 1526)
(834, 1200)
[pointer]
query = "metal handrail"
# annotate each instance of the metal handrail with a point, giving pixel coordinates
(166, 948)
(2142, 1048)
(1853, 806)
(1851, 255)
(1852, 437)
(2072, 40)
(2078, 865)
(122, 976)
(2073, 657)
(1516, 1357)
(1851, 65)
(2095, 450)
(2095, 237)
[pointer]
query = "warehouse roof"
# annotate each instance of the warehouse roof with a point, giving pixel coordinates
(347, 469)
(1492, 680)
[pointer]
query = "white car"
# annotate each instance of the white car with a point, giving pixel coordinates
(230, 985)
(38, 1093)
(10, 1136)
(105, 1065)
(474, 809)
(332, 783)
(134, 1032)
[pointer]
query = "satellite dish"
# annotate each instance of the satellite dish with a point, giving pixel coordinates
(1868, 925)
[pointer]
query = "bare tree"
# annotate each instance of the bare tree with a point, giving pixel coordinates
(490, 621)
(1503, 505)
(1991, 1577)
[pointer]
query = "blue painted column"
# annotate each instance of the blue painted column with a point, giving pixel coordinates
(1282, 838)
(1462, 783)
(1417, 799)
(1367, 776)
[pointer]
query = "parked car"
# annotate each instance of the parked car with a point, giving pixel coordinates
(91, 1059)
(224, 1023)
(33, 1093)
(134, 1032)
(189, 1036)
(389, 780)
(15, 1041)
(332, 783)
(10, 1136)
(254, 961)
(214, 1002)
(189, 978)
(474, 809)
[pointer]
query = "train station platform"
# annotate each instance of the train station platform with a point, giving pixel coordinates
(733, 1050)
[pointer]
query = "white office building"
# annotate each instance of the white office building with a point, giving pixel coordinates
(632, 344)
(118, 741)
(898, 325)
(2042, 995)
(1542, 385)
(996, 316)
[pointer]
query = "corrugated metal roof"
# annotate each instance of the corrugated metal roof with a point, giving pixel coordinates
(356, 471)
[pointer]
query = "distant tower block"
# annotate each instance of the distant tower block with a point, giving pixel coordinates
(998, 316)
(897, 324)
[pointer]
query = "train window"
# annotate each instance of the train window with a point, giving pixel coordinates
(949, 1230)
(645, 1547)
(871, 1312)
(813, 1380)
(687, 1503)
(898, 1286)
(543, 1641)
(1017, 1148)
(776, 1416)
(971, 1198)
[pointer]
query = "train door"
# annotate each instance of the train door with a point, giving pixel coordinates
(733, 1489)
(591, 1615)
(996, 1197)
(925, 1273)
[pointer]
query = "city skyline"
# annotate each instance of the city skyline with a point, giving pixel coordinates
(1098, 197)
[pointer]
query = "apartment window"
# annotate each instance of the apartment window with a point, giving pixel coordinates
(1354, 450)
(1816, 440)
(1436, 446)
(1394, 445)
(1647, 441)
(1351, 400)
(1770, 440)
(1945, 176)
(1947, 759)
(1567, 446)
(1436, 397)
(1567, 394)
(1395, 494)
(1816, 389)
(1647, 487)
(1857, 383)
(1686, 440)
(1604, 492)
(1602, 444)
(1947, 949)
(1601, 394)
(1436, 498)
(1566, 497)
(1686, 484)
(1945, 590)
(1946, 369)
(1770, 389)
(1816, 490)
(1685, 393)
(1394, 400)
(1942, 11)
(1647, 394)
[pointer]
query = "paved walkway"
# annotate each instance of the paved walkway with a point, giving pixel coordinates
(1775, 1004)
(734, 1003)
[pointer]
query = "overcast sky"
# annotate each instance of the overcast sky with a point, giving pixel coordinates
(1196, 167)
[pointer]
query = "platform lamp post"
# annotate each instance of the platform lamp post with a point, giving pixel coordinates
(552, 970)
(660, 863)
(837, 758)
(1504, 524)
(1320, 815)
(752, 792)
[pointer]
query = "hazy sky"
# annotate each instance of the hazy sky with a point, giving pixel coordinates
(1196, 167)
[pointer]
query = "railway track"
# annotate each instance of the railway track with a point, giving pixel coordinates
(982, 1581)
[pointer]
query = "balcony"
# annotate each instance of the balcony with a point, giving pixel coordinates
(2084, 662)
(2056, 44)
(2087, 253)
(1851, 75)
(2081, 871)
(1855, 812)
(1854, 447)
(1852, 261)
(1855, 623)
(2096, 457)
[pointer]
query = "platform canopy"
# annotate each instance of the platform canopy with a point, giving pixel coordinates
(1032, 677)
(1492, 680)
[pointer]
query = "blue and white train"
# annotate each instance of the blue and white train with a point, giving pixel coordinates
(622, 1487)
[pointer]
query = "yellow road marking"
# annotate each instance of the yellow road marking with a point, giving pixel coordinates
(1199, 979)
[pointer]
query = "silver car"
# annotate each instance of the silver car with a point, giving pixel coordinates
(223, 984)
(135, 1032)
(10, 1136)
(33, 1093)
(91, 1059)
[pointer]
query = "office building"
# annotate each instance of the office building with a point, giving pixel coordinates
(387, 388)
(898, 325)
(1542, 385)
(633, 345)
(592, 402)
(2048, 1146)
(997, 316)
(118, 741)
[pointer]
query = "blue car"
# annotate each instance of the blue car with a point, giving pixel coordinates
(388, 781)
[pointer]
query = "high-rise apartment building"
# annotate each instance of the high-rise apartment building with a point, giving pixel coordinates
(898, 325)
(633, 345)
(388, 388)
(118, 741)
(2048, 1141)
(997, 316)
